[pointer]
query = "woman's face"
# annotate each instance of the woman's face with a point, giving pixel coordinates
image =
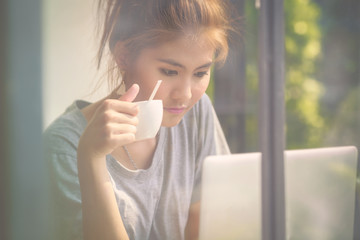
(183, 65)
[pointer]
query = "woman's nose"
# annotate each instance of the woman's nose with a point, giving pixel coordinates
(182, 90)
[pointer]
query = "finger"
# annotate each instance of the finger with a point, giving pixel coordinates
(121, 134)
(120, 118)
(126, 119)
(130, 94)
(114, 129)
(108, 107)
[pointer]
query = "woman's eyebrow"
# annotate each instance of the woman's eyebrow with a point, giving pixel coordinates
(171, 62)
(176, 64)
(206, 65)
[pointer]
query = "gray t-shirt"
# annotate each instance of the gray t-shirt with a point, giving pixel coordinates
(153, 203)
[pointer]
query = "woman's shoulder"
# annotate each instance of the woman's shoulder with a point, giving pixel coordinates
(202, 110)
(63, 134)
(204, 104)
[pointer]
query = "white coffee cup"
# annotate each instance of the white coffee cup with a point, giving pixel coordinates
(150, 118)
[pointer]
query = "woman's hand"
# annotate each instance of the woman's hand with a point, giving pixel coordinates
(112, 125)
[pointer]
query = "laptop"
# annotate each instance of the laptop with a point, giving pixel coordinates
(320, 186)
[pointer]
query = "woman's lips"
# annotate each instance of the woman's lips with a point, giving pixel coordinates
(175, 110)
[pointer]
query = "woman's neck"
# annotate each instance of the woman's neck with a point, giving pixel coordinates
(139, 153)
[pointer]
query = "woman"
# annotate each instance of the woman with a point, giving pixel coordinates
(106, 185)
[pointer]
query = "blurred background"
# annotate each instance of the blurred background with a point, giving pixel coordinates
(70, 45)
(322, 96)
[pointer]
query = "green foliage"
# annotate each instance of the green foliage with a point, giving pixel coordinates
(343, 128)
(321, 43)
(304, 124)
(252, 82)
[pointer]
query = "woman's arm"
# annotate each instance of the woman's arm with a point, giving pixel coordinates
(193, 224)
(111, 126)
(101, 217)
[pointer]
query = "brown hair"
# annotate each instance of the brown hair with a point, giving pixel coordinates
(143, 23)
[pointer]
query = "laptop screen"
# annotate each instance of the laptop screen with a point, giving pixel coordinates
(320, 195)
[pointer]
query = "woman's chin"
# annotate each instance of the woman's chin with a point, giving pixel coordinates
(170, 123)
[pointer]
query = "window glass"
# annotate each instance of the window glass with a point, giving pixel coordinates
(321, 78)
(322, 94)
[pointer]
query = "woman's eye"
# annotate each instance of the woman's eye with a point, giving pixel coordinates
(201, 74)
(168, 72)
